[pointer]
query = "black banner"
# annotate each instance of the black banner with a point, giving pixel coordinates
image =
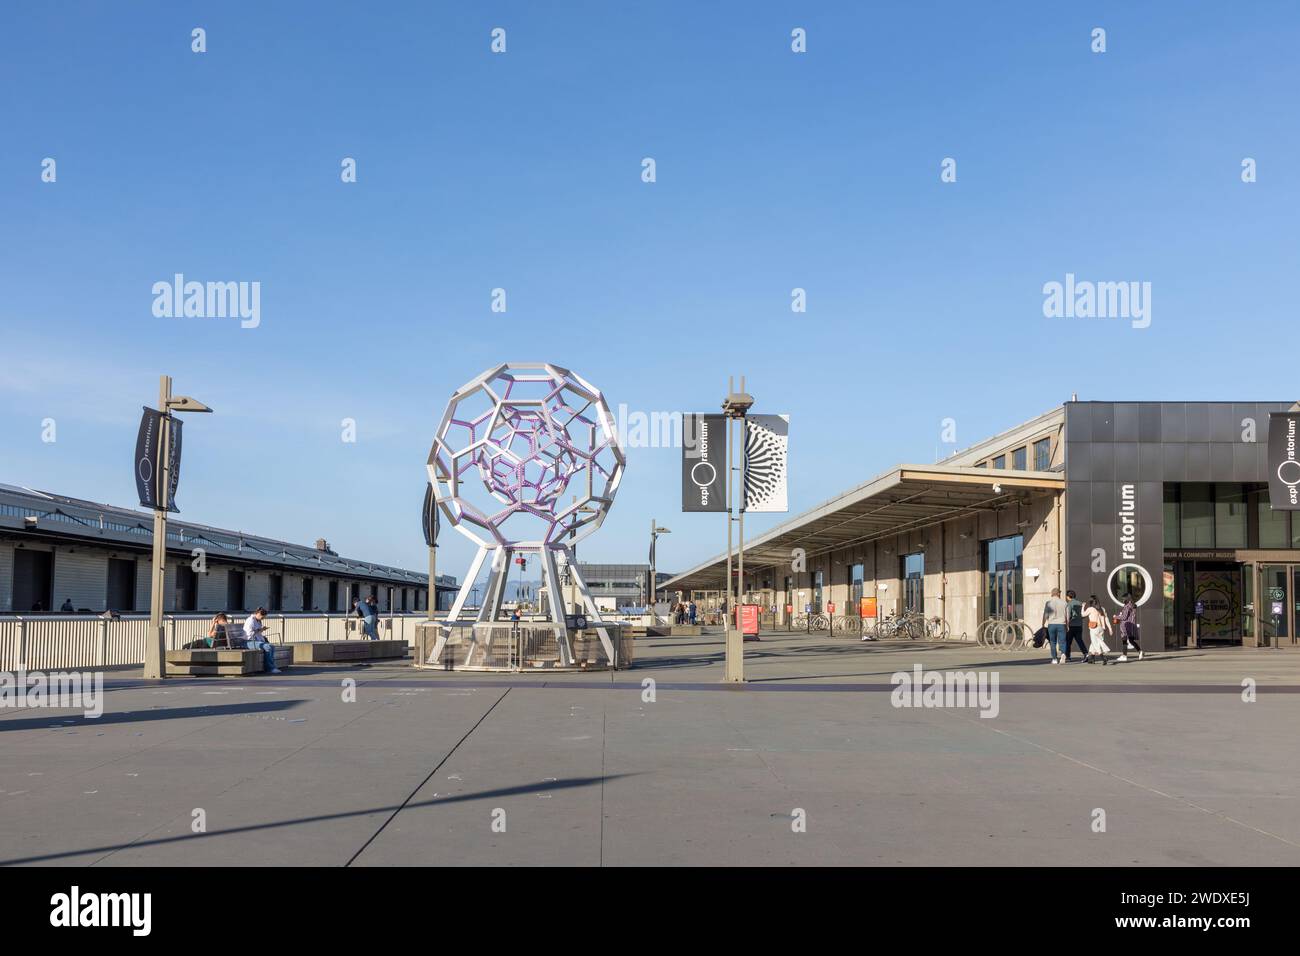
(148, 460)
(1284, 461)
(704, 462)
(429, 518)
(173, 461)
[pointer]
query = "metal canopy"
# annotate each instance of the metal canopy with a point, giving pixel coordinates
(907, 498)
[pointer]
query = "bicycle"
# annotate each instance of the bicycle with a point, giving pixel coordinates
(937, 629)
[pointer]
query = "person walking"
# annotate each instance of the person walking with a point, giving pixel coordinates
(369, 611)
(1128, 629)
(1055, 614)
(1098, 628)
(255, 638)
(1074, 626)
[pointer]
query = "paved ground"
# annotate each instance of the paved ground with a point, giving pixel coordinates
(583, 770)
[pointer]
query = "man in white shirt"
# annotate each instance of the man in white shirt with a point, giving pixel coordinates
(255, 638)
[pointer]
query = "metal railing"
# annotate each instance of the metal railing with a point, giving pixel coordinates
(526, 646)
(61, 641)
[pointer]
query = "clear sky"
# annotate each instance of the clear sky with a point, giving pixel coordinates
(523, 171)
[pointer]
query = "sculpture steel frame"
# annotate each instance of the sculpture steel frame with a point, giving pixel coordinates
(545, 431)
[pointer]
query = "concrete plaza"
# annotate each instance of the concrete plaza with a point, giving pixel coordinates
(584, 771)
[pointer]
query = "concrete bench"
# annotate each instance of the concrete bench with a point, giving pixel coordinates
(218, 661)
(215, 662)
(325, 652)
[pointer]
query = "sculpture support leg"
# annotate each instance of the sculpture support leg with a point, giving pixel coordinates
(551, 573)
(594, 611)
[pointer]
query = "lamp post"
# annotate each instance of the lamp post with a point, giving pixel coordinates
(655, 532)
(735, 407)
(155, 648)
(431, 529)
(573, 550)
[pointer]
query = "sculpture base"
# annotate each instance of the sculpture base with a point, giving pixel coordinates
(527, 646)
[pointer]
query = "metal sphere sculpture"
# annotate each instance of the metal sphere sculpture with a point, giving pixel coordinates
(535, 436)
(533, 444)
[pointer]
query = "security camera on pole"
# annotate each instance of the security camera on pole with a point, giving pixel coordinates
(157, 472)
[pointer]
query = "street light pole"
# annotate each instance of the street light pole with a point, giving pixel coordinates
(155, 647)
(655, 532)
(735, 406)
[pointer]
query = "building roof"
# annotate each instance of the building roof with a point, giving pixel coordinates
(61, 516)
(905, 498)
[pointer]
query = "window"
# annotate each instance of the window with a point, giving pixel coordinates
(817, 592)
(1229, 516)
(1272, 524)
(276, 597)
(1197, 519)
(33, 581)
(1043, 454)
(187, 588)
(1000, 462)
(1171, 516)
(855, 589)
(983, 464)
(334, 596)
(1018, 458)
(121, 585)
(235, 591)
(307, 589)
(914, 582)
(1004, 594)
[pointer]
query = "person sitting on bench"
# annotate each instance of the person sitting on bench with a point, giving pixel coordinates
(255, 638)
(218, 636)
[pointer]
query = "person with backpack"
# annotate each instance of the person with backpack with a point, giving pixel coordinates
(1098, 628)
(1074, 626)
(1128, 628)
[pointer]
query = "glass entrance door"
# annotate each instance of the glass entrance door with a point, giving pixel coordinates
(1276, 603)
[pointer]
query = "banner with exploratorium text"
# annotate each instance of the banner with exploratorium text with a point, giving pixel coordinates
(148, 460)
(704, 462)
(767, 445)
(1284, 461)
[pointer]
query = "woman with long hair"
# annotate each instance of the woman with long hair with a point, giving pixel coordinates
(1127, 619)
(1098, 627)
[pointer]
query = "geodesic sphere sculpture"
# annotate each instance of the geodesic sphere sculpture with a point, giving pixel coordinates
(526, 455)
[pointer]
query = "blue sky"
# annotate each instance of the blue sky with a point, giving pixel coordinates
(775, 170)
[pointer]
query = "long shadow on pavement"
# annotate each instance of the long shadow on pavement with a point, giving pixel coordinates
(72, 721)
(544, 786)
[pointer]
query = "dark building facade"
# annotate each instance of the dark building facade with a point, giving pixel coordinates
(1170, 501)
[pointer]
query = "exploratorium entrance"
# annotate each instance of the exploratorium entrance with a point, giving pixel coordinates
(1253, 601)
(1217, 588)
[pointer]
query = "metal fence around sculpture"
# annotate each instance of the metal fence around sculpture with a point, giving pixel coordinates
(61, 641)
(524, 646)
